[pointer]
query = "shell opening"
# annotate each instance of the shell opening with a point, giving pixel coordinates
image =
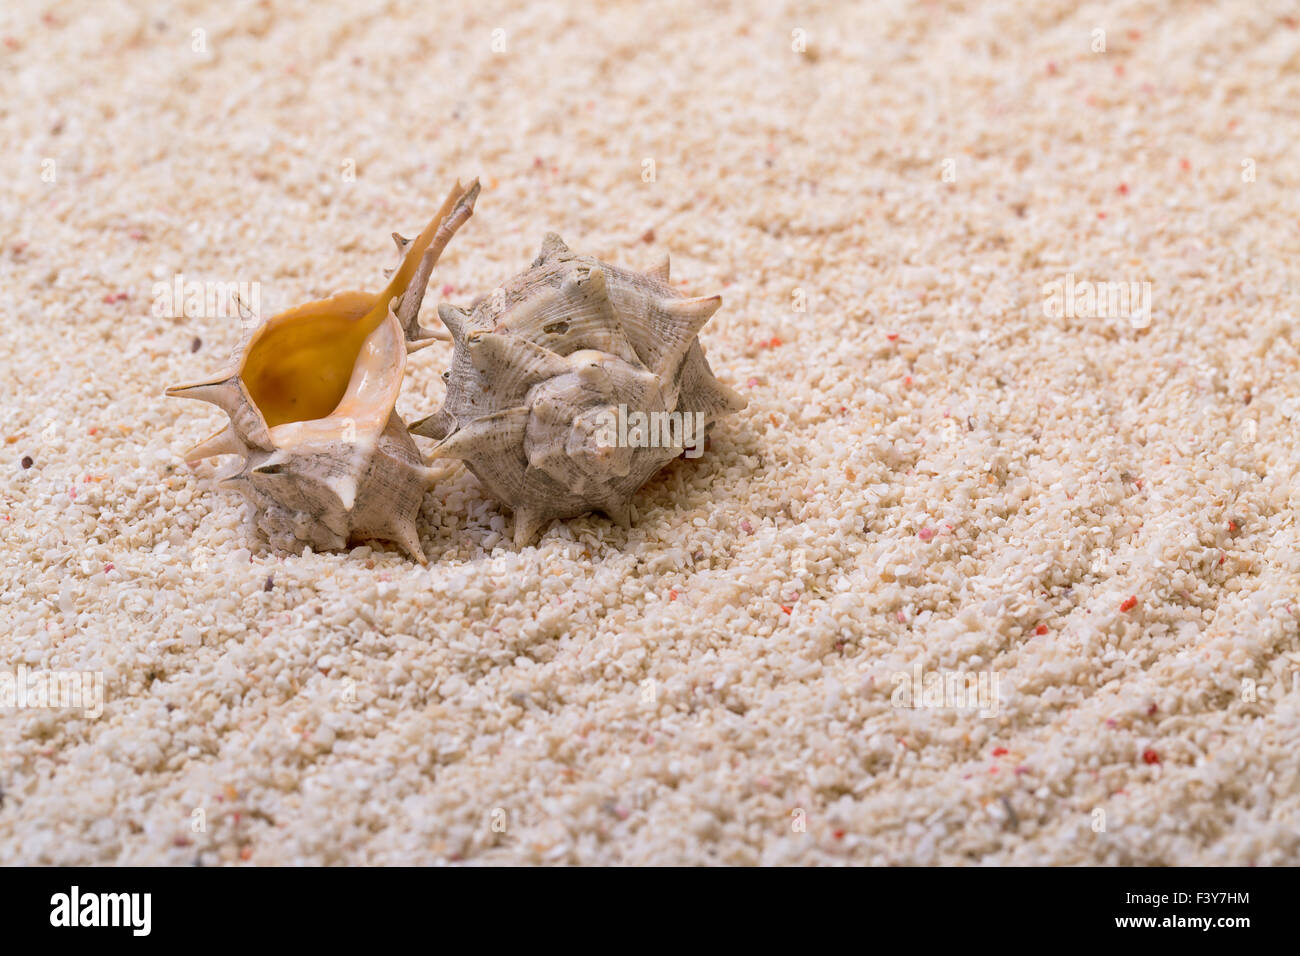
(298, 369)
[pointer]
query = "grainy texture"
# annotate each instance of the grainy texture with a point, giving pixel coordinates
(930, 470)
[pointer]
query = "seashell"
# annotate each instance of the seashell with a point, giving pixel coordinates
(550, 374)
(310, 395)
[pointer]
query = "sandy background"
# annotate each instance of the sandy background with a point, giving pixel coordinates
(930, 469)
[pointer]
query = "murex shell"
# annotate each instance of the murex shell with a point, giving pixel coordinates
(572, 384)
(311, 395)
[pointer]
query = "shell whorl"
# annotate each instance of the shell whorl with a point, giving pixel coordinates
(544, 367)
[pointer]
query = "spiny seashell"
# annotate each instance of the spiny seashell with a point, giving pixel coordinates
(311, 396)
(550, 375)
